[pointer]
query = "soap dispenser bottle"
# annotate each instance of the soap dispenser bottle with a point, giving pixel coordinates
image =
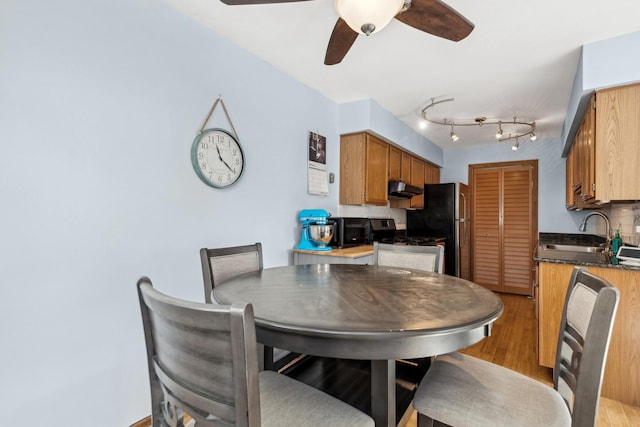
(615, 245)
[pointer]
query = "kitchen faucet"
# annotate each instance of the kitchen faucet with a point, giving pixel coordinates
(583, 227)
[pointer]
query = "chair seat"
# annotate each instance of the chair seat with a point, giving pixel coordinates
(461, 390)
(312, 407)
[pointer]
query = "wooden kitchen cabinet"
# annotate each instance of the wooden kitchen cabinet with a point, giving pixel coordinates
(364, 159)
(571, 194)
(417, 179)
(621, 380)
(581, 183)
(395, 163)
(431, 174)
(405, 172)
(602, 162)
(367, 164)
(617, 143)
(419, 173)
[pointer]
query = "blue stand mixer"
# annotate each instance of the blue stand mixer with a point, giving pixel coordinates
(316, 230)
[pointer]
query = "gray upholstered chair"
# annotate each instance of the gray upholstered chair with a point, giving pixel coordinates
(221, 264)
(460, 390)
(202, 361)
(427, 258)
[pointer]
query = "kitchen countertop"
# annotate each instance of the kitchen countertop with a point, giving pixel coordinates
(574, 258)
(353, 252)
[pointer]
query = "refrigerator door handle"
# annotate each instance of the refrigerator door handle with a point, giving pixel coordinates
(463, 220)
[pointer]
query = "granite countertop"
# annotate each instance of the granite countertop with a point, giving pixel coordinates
(593, 259)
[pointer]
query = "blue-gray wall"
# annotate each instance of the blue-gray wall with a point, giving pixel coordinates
(604, 63)
(552, 215)
(100, 101)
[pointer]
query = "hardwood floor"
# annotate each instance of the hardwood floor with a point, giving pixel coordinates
(513, 344)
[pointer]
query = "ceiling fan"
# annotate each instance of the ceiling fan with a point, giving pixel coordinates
(430, 16)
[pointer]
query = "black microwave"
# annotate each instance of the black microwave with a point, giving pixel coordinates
(348, 232)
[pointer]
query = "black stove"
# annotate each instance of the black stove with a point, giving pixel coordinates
(414, 241)
(384, 230)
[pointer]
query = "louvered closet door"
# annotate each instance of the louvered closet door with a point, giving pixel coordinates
(486, 228)
(518, 257)
(504, 225)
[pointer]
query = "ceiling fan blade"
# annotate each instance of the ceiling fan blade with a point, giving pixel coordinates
(341, 40)
(246, 2)
(435, 17)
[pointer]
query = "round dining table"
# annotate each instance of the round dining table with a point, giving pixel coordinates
(365, 312)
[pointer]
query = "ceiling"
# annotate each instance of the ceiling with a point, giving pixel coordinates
(519, 61)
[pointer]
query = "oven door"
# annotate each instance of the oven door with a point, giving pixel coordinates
(349, 232)
(356, 232)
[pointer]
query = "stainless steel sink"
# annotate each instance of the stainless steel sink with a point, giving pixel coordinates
(574, 248)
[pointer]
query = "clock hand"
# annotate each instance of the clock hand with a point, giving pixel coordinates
(222, 160)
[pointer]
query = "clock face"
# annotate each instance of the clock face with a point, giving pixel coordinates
(217, 158)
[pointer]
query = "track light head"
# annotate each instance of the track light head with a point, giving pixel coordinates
(454, 137)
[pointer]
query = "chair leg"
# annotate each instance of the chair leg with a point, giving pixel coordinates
(268, 358)
(424, 421)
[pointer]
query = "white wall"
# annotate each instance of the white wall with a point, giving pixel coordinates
(552, 215)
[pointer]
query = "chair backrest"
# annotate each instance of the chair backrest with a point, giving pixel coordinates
(583, 342)
(428, 258)
(221, 264)
(202, 360)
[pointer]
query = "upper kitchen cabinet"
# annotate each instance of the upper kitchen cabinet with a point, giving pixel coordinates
(407, 160)
(364, 162)
(431, 174)
(417, 179)
(617, 144)
(395, 163)
(602, 163)
(581, 163)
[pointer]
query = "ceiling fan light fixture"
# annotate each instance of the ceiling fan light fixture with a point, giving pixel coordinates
(368, 16)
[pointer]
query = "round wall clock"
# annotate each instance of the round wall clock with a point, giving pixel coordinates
(217, 158)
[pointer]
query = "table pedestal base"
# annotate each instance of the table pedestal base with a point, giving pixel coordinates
(353, 381)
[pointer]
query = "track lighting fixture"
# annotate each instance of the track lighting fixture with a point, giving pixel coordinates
(454, 137)
(516, 129)
(499, 134)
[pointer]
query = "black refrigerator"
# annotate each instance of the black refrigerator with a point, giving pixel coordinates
(446, 214)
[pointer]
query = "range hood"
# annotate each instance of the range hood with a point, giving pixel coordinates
(402, 190)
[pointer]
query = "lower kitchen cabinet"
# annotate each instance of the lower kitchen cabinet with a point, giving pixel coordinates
(622, 371)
